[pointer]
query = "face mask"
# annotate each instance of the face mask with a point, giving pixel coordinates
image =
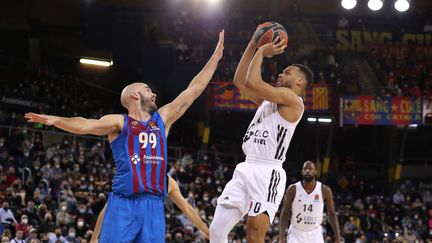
(57, 166)
(24, 221)
(80, 223)
(63, 208)
(82, 210)
(82, 179)
(91, 179)
(72, 234)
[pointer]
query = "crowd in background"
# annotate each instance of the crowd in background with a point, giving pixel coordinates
(54, 193)
(52, 189)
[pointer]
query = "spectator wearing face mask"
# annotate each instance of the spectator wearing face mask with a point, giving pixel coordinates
(81, 227)
(63, 217)
(33, 218)
(71, 237)
(57, 236)
(7, 217)
(24, 226)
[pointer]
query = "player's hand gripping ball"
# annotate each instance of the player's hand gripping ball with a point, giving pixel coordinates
(268, 32)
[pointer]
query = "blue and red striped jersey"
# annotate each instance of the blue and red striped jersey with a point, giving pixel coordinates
(140, 154)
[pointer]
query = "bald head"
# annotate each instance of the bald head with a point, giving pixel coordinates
(309, 171)
(309, 163)
(131, 93)
(138, 97)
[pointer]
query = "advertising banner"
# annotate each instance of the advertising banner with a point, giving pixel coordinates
(370, 110)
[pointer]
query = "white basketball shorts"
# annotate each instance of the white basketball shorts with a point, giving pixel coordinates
(257, 186)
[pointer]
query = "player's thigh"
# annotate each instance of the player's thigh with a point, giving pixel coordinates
(257, 226)
(266, 188)
(153, 221)
(119, 224)
(235, 193)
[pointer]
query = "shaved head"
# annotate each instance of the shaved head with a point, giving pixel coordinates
(309, 171)
(308, 163)
(126, 94)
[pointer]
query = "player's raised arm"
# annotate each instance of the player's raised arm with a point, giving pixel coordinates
(285, 216)
(255, 83)
(328, 199)
(240, 75)
(78, 125)
(174, 110)
(185, 207)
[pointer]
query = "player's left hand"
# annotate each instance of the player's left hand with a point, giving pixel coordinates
(275, 47)
(220, 46)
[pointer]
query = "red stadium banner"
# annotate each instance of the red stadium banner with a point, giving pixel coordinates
(370, 110)
(225, 96)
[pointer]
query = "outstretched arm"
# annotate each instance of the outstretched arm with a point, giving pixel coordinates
(175, 195)
(97, 229)
(285, 216)
(255, 83)
(78, 125)
(174, 110)
(240, 75)
(334, 222)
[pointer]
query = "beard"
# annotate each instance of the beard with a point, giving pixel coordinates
(146, 103)
(308, 178)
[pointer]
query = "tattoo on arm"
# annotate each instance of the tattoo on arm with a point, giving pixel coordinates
(181, 107)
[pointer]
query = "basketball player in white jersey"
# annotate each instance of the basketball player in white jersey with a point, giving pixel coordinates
(258, 184)
(303, 209)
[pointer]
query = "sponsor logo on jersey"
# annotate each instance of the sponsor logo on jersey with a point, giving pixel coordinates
(316, 198)
(135, 158)
(134, 123)
(259, 136)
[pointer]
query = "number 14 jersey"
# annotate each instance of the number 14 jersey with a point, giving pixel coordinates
(307, 208)
(140, 154)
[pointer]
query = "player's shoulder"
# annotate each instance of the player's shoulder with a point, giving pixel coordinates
(326, 190)
(292, 188)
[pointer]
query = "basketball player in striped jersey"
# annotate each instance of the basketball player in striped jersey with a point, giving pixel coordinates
(135, 209)
(303, 209)
(258, 184)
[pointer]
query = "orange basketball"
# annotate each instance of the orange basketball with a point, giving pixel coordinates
(269, 31)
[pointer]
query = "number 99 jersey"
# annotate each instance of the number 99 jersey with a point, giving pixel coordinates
(307, 208)
(140, 154)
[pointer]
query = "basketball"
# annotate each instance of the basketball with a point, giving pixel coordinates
(269, 31)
